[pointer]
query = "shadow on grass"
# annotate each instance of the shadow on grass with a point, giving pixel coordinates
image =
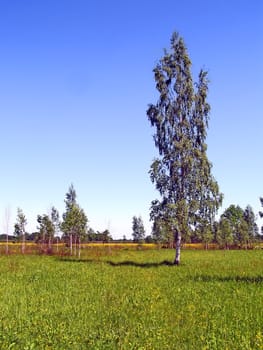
(78, 260)
(138, 264)
(244, 279)
(119, 263)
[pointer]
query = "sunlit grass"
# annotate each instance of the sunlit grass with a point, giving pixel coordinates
(132, 300)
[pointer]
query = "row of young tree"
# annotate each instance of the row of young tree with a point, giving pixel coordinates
(72, 229)
(236, 227)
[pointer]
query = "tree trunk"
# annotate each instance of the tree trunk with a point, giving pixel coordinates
(75, 245)
(178, 238)
(79, 246)
(6, 249)
(23, 243)
(70, 243)
(43, 241)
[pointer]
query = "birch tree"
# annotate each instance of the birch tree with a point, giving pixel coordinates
(74, 224)
(138, 231)
(19, 228)
(46, 231)
(182, 173)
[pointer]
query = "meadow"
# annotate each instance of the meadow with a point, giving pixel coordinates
(132, 299)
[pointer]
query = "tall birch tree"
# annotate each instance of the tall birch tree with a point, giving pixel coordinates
(182, 173)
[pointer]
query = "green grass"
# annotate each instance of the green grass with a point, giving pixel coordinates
(132, 300)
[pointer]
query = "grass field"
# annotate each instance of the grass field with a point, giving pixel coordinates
(115, 299)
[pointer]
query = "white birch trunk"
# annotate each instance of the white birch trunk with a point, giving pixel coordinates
(6, 249)
(70, 243)
(75, 245)
(79, 247)
(23, 243)
(178, 238)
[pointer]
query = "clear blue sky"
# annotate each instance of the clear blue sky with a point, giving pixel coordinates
(75, 81)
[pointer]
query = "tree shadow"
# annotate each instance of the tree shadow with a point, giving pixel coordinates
(78, 260)
(139, 264)
(243, 279)
(119, 263)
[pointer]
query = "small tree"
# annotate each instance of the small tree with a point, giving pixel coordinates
(55, 219)
(205, 234)
(138, 231)
(56, 223)
(224, 233)
(74, 224)
(252, 227)
(19, 228)
(235, 216)
(46, 230)
(157, 233)
(162, 233)
(106, 236)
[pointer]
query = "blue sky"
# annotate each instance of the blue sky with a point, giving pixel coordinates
(75, 81)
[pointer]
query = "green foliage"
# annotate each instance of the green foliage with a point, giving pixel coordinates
(20, 228)
(225, 233)
(55, 220)
(161, 232)
(46, 229)
(138, 231)
(237, 226)
(182, 174)
(74, 224)
(21, 221)
(71, 197)
(205, 233)
(132, 300)
(103, 236)
(250, 219)
(260, 212)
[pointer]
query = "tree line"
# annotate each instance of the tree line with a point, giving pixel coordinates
(236, 228)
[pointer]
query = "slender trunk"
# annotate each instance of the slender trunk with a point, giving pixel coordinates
(178, 238)
(79, 246)
(23, 243)
(75, 245)
(43, 241)
(6, 249)
(70, 243)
